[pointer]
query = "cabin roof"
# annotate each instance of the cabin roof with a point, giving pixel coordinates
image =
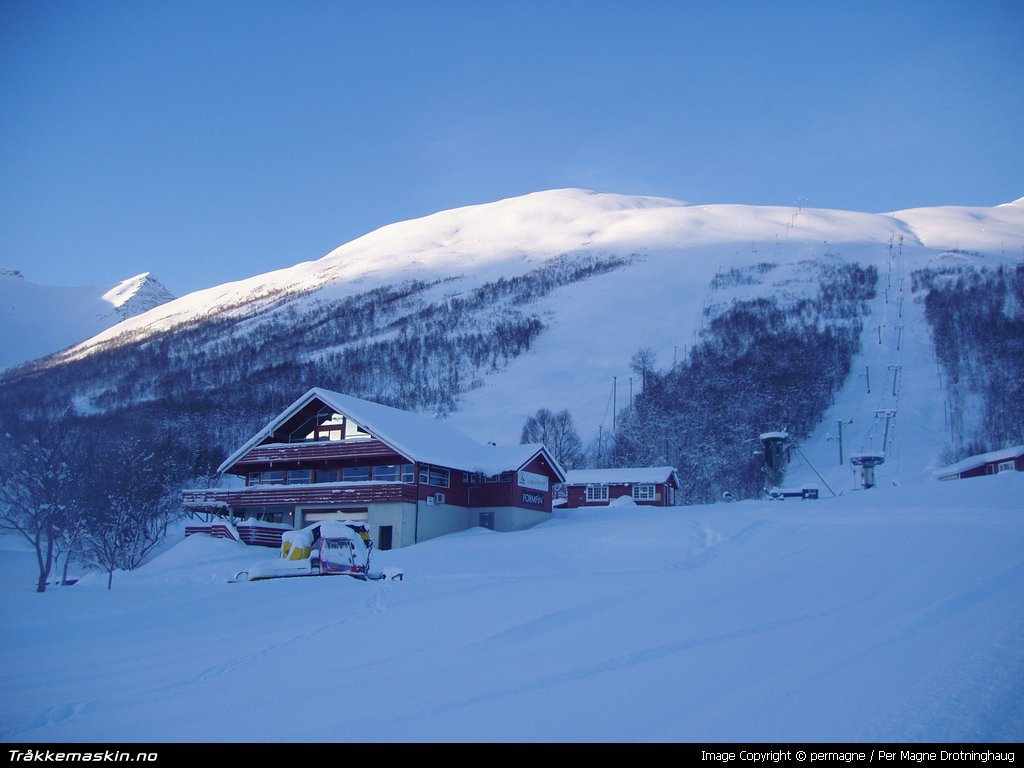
(972, 462)
(620, 476)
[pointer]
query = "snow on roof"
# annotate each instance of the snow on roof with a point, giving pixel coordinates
(415, 436)
(619, 475)
(971, 462)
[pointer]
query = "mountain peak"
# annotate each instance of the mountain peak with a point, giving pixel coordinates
(137, 295)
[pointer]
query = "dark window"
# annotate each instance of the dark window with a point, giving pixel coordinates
(434, 476)
(327, 476)
(300, 476)
(388, 472)
(273, 477)
(384, 535)
(395, 473)
(356, 474)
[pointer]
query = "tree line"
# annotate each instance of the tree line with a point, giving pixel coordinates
(976, 317)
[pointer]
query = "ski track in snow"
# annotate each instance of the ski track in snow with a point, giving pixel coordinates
(376, 604)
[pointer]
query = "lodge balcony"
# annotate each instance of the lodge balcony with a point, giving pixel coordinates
(311, 452)
(318, 494)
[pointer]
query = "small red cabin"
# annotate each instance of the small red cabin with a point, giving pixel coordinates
(646, 486)
(992, 463)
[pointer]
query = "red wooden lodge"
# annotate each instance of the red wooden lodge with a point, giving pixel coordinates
(331, 456)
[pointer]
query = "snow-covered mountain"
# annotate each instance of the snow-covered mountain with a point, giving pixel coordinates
(571, 283)
(512, 236)
(38, 320)
(869, 615)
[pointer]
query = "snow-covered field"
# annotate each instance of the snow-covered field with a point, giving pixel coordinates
(895, 614)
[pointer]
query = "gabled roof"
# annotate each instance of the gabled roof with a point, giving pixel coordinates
(972, 462)
(413, 435)
(621, 476)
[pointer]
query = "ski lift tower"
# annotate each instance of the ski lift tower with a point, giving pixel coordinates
(774, 458)
(867, 463)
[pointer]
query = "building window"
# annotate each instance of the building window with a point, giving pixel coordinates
(327, 476)
(273, 477)
(480, 477)
(327, 425)
(434, 476)
(394, 473)
(597, 493)
(355, 432)
(644, 492)
(253, 478)
(300, 476)
(1005, 466)
(387, 472)
(357, 474)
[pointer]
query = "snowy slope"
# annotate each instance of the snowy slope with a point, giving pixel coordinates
(38, 320)
(890, 615)
(657, 300)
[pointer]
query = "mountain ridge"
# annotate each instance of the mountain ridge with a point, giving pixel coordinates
(38, 320)
(545, 224)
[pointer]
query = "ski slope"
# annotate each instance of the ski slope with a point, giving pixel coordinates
(895, 614)
(593, 328)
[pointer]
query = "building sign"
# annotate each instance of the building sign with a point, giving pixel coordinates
(536, 499)
(533, 480)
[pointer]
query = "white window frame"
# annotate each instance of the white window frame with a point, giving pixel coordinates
(439, 477)
(597, 492)
(1005, 466)
(645, 492)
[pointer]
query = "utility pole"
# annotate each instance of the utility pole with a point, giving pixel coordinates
(841, 424)
(615, 393)
(889, 413)
(895, 372)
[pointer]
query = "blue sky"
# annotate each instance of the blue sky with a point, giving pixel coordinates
(208, 140)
